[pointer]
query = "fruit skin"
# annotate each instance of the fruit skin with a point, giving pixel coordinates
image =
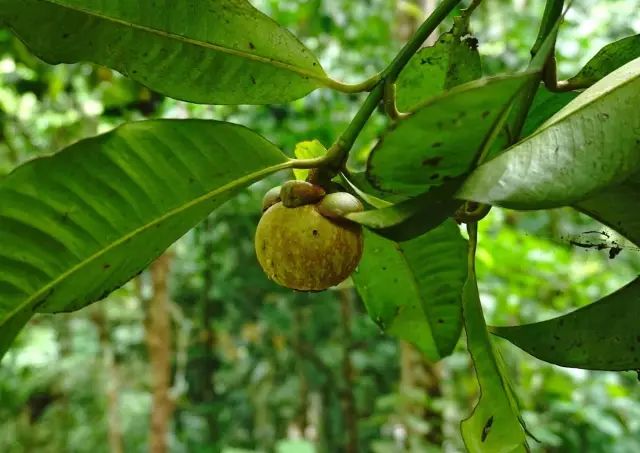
(301, 249)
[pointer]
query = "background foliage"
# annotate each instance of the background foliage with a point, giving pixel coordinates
(259, 368)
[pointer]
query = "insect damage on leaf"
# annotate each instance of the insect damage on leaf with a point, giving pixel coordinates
(486, 429)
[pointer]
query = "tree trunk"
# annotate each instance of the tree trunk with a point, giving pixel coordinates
(114, 429)
(204, 364)
(158, 337)
(349, 409)
(302, 412)
(416, 372)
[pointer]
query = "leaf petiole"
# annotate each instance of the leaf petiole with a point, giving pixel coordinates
(337, 154)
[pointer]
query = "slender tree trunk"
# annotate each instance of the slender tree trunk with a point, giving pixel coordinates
(158, 336)
(349, 409)
(114, 429)
(205, 365)
(416, 372)
(209, 363)
(301, 419)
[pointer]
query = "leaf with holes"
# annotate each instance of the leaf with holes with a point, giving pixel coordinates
(608, 59)
(205, 51)
(451, 61)
(79, 224)
(592, 143)
(412, 289)
(441, 139)
(494, 425)
(600, 336)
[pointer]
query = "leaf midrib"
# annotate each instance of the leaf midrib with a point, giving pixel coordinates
(175, 211)
(207, 45)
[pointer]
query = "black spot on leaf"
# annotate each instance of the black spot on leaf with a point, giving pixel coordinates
(432, 161)
(614, 251)
(486, 429)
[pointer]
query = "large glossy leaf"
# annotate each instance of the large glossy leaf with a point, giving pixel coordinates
(413, 289)
(79, 224)
(451, 61)
(592, 143)
(608, 59)
(617, 207)
(600, 336)
(441, 139)
(494, 426)
(206, 51)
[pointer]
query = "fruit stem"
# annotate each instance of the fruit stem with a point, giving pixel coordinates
(337, 154)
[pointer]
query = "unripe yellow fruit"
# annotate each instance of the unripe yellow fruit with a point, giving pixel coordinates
(301, 249)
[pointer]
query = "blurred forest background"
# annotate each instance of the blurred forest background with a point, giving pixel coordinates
(203, 351)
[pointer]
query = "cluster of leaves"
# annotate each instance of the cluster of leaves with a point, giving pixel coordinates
(143, 185)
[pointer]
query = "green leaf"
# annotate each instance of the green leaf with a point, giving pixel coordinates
(307, 150)
(208, 51)
(617, 207)
(608, 59)
(592, 143)
(451, 61)
(600, 336)
(413, 217)
(412, 289)
(494, 426)
(79, 224)
(544, 106)
(443, 138)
